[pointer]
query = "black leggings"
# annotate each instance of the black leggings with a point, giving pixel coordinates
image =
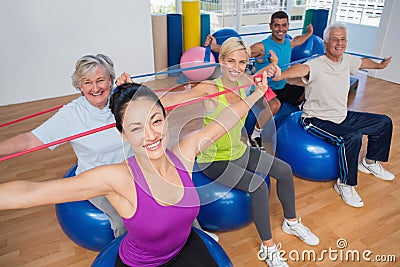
(291, 93)
(248, 174)
(194, 253)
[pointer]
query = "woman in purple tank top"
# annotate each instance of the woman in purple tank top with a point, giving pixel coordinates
(152, 191)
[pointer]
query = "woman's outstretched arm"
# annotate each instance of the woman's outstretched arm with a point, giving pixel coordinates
(21, 194)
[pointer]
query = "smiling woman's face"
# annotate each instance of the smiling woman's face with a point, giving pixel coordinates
(97, 88)
(145, 128)
(234, 64)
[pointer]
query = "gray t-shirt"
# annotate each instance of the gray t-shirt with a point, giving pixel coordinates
(105, 147)
(327, 87)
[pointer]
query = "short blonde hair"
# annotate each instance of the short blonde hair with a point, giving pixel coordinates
(233, 44)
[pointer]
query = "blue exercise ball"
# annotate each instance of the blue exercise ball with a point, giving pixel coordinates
(222, 208)
(313, 45)
(216, 251)
(251, 119)
(108, 255)
(285, 110)
(268, 137)
(268, 133)
(221, 35)
(83, 223)
(310, 157)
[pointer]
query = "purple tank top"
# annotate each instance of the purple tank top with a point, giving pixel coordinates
(156, 233)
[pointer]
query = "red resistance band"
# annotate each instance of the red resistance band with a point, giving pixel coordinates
(30, 116)
(102, 128)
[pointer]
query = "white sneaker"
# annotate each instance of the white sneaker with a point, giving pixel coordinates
(271, 256)
(376, 169)
(213, 236)
(348, 194)
(301, 231)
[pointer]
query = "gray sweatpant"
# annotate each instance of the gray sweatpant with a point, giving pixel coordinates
(247, 174)
(105, 206)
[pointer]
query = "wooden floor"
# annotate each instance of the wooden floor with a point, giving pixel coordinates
(32, 237)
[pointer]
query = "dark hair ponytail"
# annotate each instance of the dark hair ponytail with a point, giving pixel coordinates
(124, 94)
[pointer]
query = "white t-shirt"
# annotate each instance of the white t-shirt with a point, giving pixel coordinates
(105, 147)
(327, 87)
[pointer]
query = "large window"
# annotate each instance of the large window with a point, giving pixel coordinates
(364, 12)
(227, 13)
(162, 6)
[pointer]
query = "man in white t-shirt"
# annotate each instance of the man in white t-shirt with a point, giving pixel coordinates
(94, 77)
(325, 112)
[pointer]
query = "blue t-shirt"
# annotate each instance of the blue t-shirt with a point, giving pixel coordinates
(283, 52)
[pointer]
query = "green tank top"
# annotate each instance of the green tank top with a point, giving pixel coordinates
(229, 146)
